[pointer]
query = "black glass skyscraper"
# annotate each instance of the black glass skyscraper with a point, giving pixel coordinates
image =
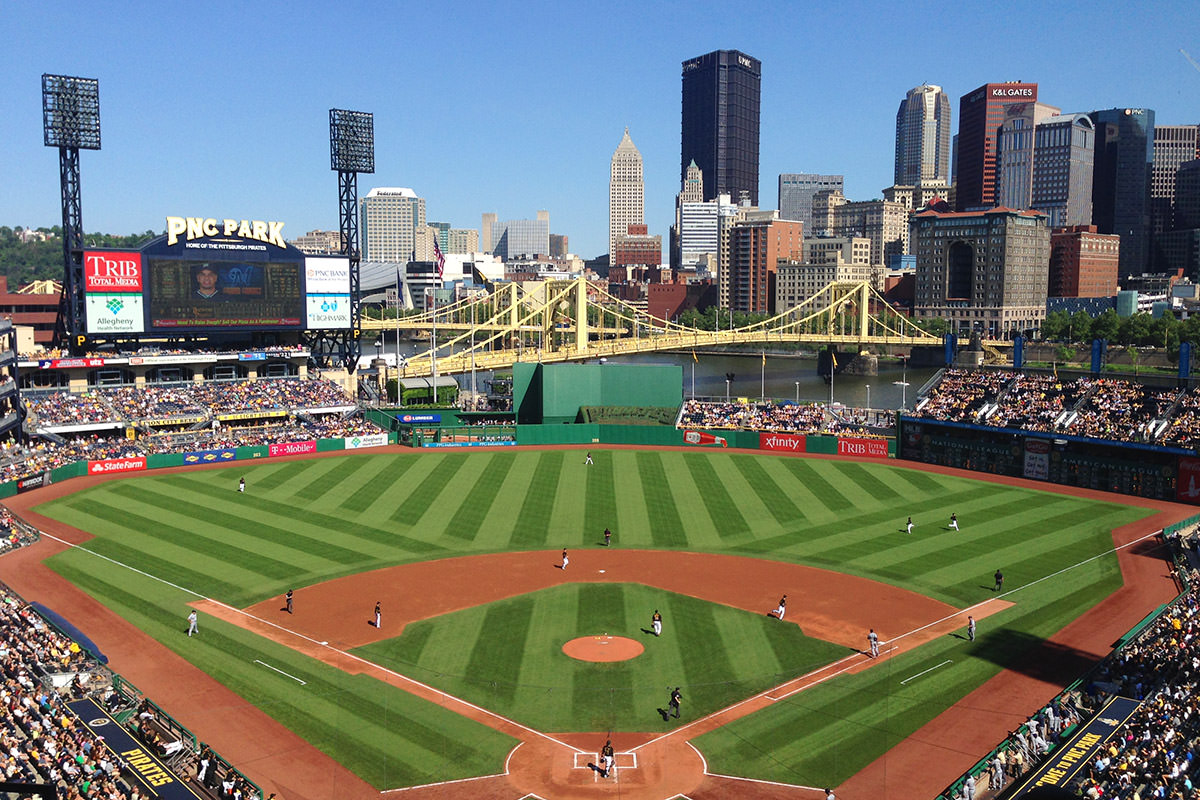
(720, 122)
(1121, 182)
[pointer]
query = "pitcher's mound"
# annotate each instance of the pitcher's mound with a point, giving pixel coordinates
(603, 648)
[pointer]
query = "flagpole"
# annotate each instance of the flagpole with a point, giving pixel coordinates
(693, 376)
(762, 381)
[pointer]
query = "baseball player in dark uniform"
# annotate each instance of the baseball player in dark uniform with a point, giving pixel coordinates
(673, 703)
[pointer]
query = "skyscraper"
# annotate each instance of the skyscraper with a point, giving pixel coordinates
(922, 136)
(720, 122)
(1064, 153)
(980, 115)
(388, 221)
(796, 190)
(1174, 146)
(1121, 182)
(626, 191)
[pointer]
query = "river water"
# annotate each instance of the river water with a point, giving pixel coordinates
(782, 377)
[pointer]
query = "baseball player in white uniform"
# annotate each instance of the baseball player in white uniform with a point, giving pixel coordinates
(192, 627)
(873, 641)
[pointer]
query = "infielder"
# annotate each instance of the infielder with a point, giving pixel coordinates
(656, 623)
(192, 627)
(781, 608)
(288, 598)
(378, 615)
(873, 643)
(999, 576)
(565, 560)
(954, 522)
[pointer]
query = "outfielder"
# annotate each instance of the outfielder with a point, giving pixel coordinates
(656, 623)
(242, 486)
(954, 522)
(910, 524)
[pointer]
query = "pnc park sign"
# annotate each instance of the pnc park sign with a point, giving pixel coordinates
(191, 228)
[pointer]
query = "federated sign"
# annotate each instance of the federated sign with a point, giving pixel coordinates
(1076, 753)
(142, 765)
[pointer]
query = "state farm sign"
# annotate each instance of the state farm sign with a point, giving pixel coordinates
(112, 272)
(116, 465)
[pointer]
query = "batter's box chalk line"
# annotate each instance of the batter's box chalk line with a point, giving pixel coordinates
(626, 760)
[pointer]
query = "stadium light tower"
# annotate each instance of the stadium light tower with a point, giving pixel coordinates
(351, 151)
(71, 122)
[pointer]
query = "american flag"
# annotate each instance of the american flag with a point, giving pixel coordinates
(439, 258)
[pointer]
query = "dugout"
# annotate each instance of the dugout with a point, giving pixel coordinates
(554, 393)
(1143, 470)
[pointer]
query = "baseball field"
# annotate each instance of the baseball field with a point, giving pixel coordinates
(462, 550)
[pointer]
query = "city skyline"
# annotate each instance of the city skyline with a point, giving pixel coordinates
(233, 121)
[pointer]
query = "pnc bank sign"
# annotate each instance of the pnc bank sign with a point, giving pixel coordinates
(190, 228)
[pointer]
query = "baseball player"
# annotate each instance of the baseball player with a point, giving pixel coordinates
(242, 486)
(873, 642)
(607, 537)
(673, 703)
(781, 608)
(656, 622)
(910, 524)
(954, 522)
(565, 560)
(378, 615)
(288, 598)
(588, 460)
(971, 628)
(999, 576)
(606, 756)
(192, 627)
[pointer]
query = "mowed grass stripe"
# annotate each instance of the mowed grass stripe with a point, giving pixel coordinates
(722, 510)
(828, 496)
(499, 649)
(374, 485)
(532, 528)
(666, 529)
(925, 482)
(871, 485)
(192, 541)
(773, 497)
(477, 505)
(183, 576)
(426, 494)
(340, 470)
(252, 523)
(263, 508)
(284, 475)
(601, 496)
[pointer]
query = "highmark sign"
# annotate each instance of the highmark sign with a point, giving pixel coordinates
(191, 228)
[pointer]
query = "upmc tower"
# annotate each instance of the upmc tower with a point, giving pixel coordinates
(720, 122)
(980, 115)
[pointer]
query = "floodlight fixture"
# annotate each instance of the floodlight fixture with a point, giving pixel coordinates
(71, 112)
(351, 141)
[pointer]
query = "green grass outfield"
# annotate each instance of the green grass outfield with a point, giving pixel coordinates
(301, 522)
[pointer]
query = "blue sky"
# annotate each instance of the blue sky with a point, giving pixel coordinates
(221, 108)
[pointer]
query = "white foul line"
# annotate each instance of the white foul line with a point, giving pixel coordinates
(281, 672)
(931, 669)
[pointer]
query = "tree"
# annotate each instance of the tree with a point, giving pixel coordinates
(1106, 326)
(1133, 329)
(1055, 326)
(1080, 329)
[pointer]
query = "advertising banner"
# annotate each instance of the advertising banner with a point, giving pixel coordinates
(187, 420)
(1187, 484)
(292, 448)
(112, 272)
(251, 415)
(33, 482)
(409, 419)
(869, 448)
(327, 275)
(788, 442)
(151, 777)
(468, 444)
(110, 465)
(115, 313)
(1037, 459)
(700, 437)
(327, 310)
(252, 356)
(373, 440)
(1077, 753)
(209, 456)
(69, 363)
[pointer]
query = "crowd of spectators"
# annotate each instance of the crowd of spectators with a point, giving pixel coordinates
(1095, 407)
(131, 404)
(762, 416)
(150, 350)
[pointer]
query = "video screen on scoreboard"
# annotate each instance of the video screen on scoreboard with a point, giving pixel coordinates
(213, 294)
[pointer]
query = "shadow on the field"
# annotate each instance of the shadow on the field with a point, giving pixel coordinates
(1029, 655)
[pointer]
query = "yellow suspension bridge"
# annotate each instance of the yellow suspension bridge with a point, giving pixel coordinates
(574, 320)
